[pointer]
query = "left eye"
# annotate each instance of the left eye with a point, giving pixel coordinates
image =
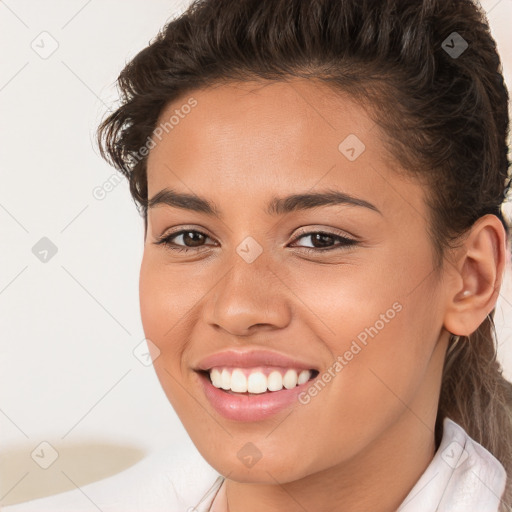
(321, 237)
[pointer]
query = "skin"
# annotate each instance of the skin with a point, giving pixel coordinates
(242, 144)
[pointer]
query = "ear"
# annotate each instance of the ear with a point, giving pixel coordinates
(477, 276)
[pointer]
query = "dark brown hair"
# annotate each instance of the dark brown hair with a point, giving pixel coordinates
(430, 72)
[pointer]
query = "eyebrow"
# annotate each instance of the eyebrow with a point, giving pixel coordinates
(276, 206)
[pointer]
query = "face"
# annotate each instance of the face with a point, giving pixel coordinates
(343, 288)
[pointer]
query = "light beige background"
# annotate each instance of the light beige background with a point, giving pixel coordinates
(68, 327)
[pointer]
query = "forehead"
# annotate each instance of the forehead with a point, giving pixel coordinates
(291, 135)
(289, 119)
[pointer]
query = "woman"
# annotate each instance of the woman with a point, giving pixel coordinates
(321, 183)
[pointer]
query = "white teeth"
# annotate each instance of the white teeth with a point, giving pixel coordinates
(225, 380)
(256, 382)
(303, 376)
(216, 378)
(290, 379)
(275, 381)
(238, 381)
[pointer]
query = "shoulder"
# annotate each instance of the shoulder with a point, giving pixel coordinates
(462, 476)
(174, 479)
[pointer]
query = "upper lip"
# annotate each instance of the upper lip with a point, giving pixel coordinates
(251, 358)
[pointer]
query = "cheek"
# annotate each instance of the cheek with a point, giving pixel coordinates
(163, 306)
(163, 309)
(380, 323)
(154, 307)
(168, 296)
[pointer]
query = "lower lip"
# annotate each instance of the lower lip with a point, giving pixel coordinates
(250, 407)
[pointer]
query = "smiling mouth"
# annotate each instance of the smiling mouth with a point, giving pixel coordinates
(258, 380)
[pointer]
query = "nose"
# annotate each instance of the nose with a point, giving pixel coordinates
(250, 297)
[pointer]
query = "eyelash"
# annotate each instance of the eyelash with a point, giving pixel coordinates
(165, 240)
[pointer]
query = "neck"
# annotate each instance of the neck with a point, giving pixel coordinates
(379, 479)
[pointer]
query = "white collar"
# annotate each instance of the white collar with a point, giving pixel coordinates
(463, 476)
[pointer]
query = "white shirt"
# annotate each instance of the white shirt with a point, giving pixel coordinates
(463, 476)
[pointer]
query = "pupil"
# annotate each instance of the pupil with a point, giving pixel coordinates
(193, 233)
(319, 237)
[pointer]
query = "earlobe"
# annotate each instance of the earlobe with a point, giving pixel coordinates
(472, 295)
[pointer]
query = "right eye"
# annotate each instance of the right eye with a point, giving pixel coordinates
(167, 240)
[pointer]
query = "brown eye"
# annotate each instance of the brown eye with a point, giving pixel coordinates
(191, 239)
(322, 241)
